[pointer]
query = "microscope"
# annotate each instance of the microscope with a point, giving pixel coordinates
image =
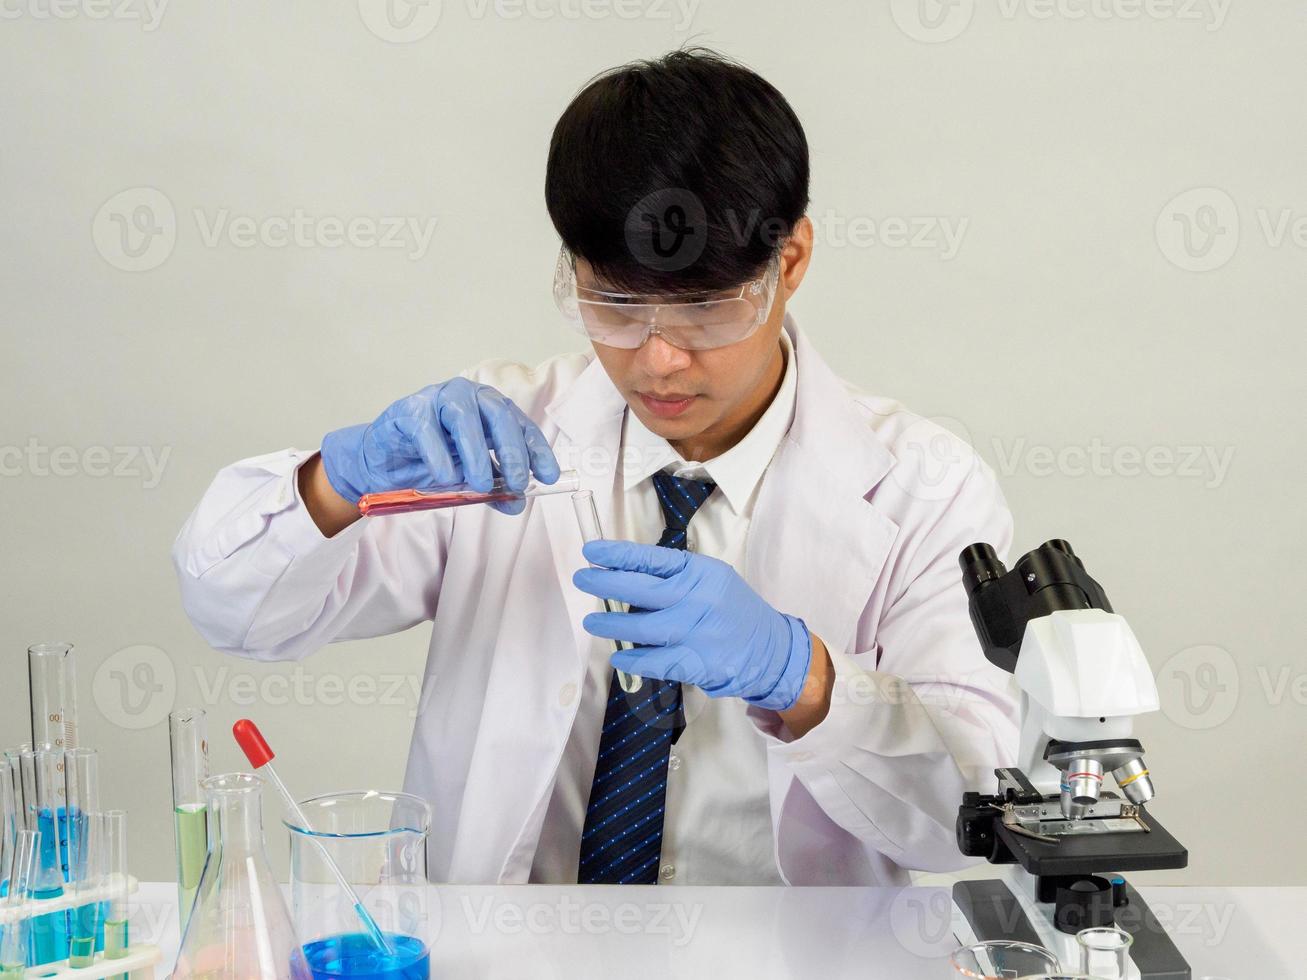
(1068, 836)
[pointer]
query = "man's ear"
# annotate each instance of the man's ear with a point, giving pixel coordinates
(796, 255)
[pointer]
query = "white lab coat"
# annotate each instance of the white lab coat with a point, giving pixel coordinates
(857, 529)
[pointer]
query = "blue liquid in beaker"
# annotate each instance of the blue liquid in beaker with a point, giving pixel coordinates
(354, 955)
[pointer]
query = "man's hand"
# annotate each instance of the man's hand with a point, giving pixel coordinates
(438, 437)
(700, 623)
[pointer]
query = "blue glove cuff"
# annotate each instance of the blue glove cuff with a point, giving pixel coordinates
(785, 693)
(340, 454)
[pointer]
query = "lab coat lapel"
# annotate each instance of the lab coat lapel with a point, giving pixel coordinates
(817, 545)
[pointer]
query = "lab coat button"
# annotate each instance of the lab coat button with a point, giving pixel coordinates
(800, 756)
(674, 763)
(667, 872)
(566, 695)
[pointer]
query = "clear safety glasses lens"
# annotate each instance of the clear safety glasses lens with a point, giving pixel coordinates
(627, 320)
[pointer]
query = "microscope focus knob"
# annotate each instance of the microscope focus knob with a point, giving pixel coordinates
(1084, 903)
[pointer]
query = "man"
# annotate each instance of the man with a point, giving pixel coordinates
(812, 702)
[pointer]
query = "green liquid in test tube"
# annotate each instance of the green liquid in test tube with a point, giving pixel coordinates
(188, 738)
(116, 939)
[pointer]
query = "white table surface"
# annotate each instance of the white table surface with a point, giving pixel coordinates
(516, 932)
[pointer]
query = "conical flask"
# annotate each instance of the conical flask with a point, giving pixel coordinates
(240, 927)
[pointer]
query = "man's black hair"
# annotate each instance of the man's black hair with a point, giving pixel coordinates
(678, 174)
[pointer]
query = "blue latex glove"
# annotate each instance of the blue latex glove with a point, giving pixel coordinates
(440, 437)
(704, 625)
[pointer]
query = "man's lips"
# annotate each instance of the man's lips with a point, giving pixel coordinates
(666, 406)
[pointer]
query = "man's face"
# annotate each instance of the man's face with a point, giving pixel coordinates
(682, 395)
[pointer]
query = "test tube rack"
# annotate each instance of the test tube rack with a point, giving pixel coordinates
(137, 963)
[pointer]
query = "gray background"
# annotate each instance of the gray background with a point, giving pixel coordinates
(1074, 315)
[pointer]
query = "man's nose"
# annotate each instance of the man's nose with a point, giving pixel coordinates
(658, 358)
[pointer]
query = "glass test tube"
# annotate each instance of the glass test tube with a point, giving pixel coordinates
(27, 767)
(49, 931)
(115, 921)
(14, 758)
(587, 516)
(81, 799)
(188, 738)
(14, 936)
(8, 824)
(404, 501)
(90, 864)
(52, 679)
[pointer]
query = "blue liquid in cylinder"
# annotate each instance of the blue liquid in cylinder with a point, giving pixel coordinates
(356, 956)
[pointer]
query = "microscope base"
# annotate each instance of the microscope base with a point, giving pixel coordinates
(997, 909)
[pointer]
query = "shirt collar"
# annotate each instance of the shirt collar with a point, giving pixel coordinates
(738, 470)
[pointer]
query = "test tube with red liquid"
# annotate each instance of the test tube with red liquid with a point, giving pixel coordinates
(460, 495)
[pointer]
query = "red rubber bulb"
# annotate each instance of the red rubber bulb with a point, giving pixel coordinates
(252, 743)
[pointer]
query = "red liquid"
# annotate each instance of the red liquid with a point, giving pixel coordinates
(406, 501)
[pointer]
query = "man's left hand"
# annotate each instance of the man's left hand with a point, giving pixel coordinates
(697, 622)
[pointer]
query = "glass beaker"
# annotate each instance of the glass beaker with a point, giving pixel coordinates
(1003, 960)
(1105, 952)
(239, 927)
(379, 842)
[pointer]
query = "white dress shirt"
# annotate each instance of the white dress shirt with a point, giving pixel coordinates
(717, 825)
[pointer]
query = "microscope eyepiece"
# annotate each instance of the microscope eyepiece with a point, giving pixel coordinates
(980, 564)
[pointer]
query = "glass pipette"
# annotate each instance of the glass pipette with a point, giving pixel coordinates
(438, 498)
(260, 754)
(587, 516)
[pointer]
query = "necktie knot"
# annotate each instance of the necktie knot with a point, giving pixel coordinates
(680, 498)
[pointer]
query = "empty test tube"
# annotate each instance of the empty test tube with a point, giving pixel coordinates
(587, 516)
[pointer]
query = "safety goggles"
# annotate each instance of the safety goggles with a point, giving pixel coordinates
(690, 321)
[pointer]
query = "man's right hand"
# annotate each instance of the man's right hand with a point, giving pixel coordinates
(438, 437)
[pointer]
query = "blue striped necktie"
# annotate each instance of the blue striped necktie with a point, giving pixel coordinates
(623, 834)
